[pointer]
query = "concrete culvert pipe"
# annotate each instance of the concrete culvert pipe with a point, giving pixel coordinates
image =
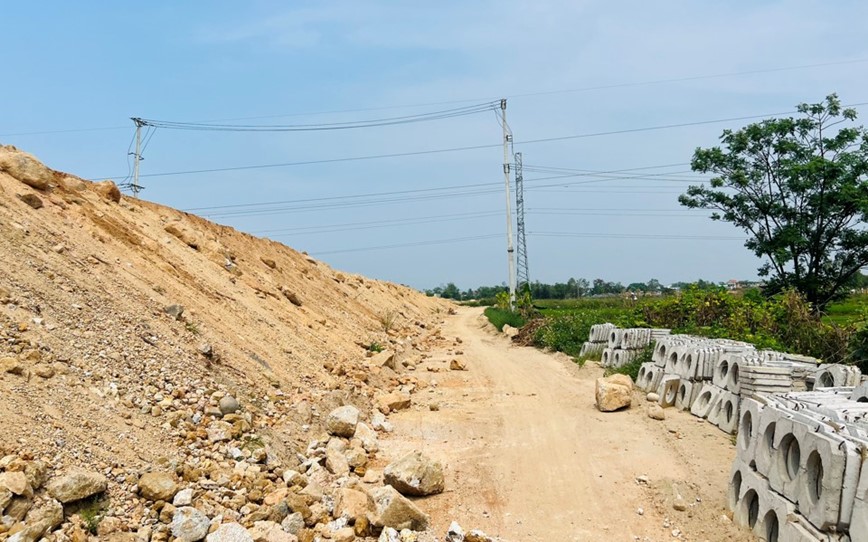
(750, 508)
(672, 361)
(770, 527)
(765, 450)
(827, 485)
(734, 490)
(860, 393)
(745, 430)
(721, 372)
(705, 401)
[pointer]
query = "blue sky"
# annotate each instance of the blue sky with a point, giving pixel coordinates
(75, 66)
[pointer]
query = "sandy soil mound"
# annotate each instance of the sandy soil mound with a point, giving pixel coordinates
(126, 327)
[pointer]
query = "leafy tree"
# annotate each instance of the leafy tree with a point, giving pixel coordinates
(799, 188)
(451, 291)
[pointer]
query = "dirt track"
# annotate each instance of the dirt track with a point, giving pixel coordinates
(530, 458)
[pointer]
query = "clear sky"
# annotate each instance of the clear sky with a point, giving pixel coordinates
(567, 68)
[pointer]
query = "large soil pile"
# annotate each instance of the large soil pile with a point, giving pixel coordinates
(128, 332)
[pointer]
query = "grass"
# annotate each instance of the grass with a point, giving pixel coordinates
(854, 309)
(500, 317)
(91, 511)
(375, 347)
(388, 320)
(192, 327)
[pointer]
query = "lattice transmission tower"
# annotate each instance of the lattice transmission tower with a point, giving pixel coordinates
(521, 242)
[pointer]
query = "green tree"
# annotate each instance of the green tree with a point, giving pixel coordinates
(799, 188)
(451, 291)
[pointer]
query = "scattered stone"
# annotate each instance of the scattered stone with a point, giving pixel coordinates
(389, 535)
(292, 297)
(108, 190)
(679, 504)
(77, 485)
(293, 523)
(391, 509)
(614, 392)
(175, 311)
(509, 331)
(336, 462)
(228, 405)
(342, 421)
(230, 532)
(455, 533)
(655, 412)
(219, 431)
(158, 486)
(270, 531)
(268, 262)
(12, 366)
(367, 437)
(457, 365)
(414, 474)
(351, 503)
(380, 423)
(16, 482)
(32, 200)
(183, 497)
(385, 358)
(39, 521)
(184, 235)
(24, 167)
(652, 397)
(189, 524)
(397, 400)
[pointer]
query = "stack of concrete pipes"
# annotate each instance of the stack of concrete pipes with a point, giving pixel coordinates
(801, 469)
(709, 377)
(597, 341)
(623, 345)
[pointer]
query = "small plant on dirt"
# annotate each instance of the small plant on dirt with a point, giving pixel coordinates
(631, 369)
(91, 513)
(388, 320)
(375, 347)
(500, 317)
(192, 327)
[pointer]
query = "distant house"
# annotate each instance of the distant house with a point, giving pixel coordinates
(732, 284)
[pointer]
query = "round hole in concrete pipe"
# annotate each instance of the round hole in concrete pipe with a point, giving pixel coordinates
(682, 392)
(673, 359)
(826, 380)
(734, 374)
(751, 504)
(728, 411)
(862, 400)
(723, 369)
(815, 476)
(790, 456)
(770, 522)
(641, 375)
(689, 362)
(704, 399)
(746, 428)
(670, 395)
(768, 440)
(662, 351)
(734, 490)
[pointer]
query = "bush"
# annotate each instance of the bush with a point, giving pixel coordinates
(632, 369)
(567, 332)
(499, 317)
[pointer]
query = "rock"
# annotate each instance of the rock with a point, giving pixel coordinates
(477, 536)
(679, 504)
(189, 524)
(32, 200)
(614, 392)
(294, 478)
(17, 483)
(228, 405)
(230, 532)
(158, 486)
(356, 457)
(269, 531)
(379, 422)
(77, 485)
(414, 474)
(108, 190)
(342, 421)
(183, 497)
(184, 235)
(509, 331)
(5, 498)
(383, 359)
(25, 167)
(457, 365)
(268, 262)
(367, 437)
(455, 533)
(12, 366)
(293, 523)
(351, 503)
(43, 370)
(40, 521)
(336, 462)
(345, 534)
(391, 509)
(292, 297)
(389, 535)
(655, 412)
(652, 397)
(175, 311)
(397, 400)
(219, 431)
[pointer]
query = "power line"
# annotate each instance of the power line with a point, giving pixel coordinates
(511, 96)
(414, 244)
(370, 123)
(466, 148)
(353, 226)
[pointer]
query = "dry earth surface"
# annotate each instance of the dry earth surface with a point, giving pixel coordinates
(189, 371)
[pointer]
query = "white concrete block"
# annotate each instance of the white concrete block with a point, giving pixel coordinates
(748, 426)
(669, 390)
(687, 392)
(725, 414)
(821, 480)
(706, 400)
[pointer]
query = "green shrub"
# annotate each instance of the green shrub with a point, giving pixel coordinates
(375, 347)
(632, 369)
(567, 331)
(499, 317)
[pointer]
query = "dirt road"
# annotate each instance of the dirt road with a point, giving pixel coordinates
(529, 457)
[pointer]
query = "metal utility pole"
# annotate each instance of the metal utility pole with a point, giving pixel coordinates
(521, 254)
(510, 251)
(137, 156)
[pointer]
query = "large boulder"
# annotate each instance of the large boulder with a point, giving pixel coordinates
(342, 421)
(158, 486)
(108, 190)
(230, 532)
(25, 167)
(189, 524)
(414, 474)
(614, 392)
(77, 485)
(391, 509)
